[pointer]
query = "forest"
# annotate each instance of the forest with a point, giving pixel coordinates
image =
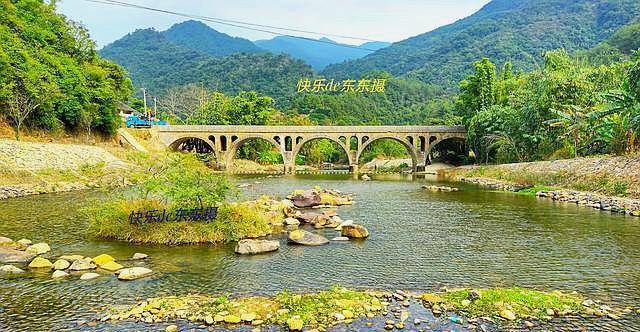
(574, 103)
(51, 76)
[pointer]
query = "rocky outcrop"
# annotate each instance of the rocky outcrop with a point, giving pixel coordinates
(599, 202)
(252, 247)
(440, 188)
(306, 199)
(38, 248)
(354, 231)
(10, 255)
(303, 237)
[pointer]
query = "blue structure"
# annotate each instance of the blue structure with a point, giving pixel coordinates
(137, 121)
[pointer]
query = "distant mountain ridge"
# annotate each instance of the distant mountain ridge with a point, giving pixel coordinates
(319, 54)
(198, 36)
(503, 30)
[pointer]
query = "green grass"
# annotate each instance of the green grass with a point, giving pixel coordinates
(234, 221)
(313, 310)
(522, 302)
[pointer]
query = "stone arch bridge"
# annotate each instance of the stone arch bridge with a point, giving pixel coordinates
(224, 141)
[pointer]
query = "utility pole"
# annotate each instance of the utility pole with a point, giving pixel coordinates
(155, 109)
(144, 99)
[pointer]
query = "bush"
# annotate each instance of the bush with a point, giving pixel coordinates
(233, 222)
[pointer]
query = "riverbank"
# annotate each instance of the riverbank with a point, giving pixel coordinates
(604, 183)
(28, 168)
(339, 308)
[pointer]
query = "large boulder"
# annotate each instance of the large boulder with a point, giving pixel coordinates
(102, 259)
(5, 240)
(40, 263)
(133, 273)
(10, 269)
(354, 231)
(38, 248)
(308, 198)
(10, 255)
(82, 265)
(303, 237)
(252, 247)
(111, 266)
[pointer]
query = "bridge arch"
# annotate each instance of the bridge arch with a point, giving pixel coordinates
(440, 140)
(410, 148)
(192, 144)
(231, 155)
(310, 138)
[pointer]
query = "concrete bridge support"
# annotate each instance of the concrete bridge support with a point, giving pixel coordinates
(224, 141)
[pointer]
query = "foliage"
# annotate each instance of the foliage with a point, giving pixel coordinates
(181, 181)
(158, 64)
(383, 148)
(50, 74)
(503, 30)
(537, 115)
(521, 302)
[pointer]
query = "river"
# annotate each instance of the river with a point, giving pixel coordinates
(420, 240)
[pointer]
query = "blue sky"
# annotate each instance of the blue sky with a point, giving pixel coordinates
(375, 19)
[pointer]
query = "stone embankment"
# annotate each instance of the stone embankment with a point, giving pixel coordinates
(29, 168)
(564, 180)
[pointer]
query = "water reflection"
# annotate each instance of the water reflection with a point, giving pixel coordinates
(419, 240)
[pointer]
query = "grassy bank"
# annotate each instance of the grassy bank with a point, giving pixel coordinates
(602, 183)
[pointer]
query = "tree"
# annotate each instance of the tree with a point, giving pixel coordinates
(20, 107)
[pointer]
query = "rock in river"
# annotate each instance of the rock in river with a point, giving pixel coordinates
(10, 269)
(251, 247)
(308, 198)
(354, 231)
(25, 242)
(102, 259)
(40, 262)
(9, 255)
(89, 276)
(133, 273)
(303, 237)
(38, 248)
(82, 264)
(5, 240)
(59, 274)
(61, 264)
(138, 256)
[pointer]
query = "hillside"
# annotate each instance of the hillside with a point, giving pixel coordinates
(159, 64)
(502, 30)
(197, 36)
(318, 54)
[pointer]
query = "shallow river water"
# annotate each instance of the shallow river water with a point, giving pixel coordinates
(419, 240)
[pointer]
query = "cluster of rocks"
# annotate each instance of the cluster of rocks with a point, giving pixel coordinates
(440, 188)
(300, 209)
(23, 252)
(493, 184)
(604, 203)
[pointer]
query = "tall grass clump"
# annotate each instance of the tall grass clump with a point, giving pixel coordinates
(169, 183)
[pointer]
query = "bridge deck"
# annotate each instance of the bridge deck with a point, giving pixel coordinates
(312, 129)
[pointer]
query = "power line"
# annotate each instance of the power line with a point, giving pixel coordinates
(242, 25)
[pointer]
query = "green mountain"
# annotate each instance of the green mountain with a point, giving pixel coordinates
(321, 53)
(198, 36)
(618, 47)
(504, 30)
(158, 64)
